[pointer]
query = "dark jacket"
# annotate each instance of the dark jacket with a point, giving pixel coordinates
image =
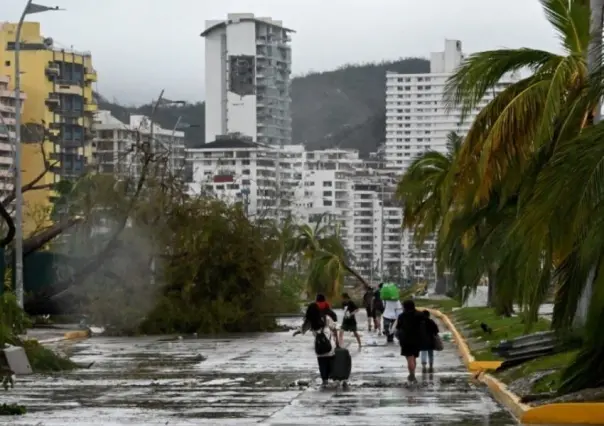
(410, 329)
(429, 332)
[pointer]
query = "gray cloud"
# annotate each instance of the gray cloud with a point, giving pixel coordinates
(141, 46)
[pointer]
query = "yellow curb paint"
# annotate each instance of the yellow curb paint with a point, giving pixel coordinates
(476, 366)
(78, 334)
(504, 396)
(578, 413)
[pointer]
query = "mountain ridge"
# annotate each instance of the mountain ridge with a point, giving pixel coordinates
(342, 108)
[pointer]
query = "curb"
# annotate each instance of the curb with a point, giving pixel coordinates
(587, 413)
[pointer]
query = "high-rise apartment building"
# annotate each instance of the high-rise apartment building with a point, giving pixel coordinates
(247, 79)
(58, 85)
(417, 119)
(7, 134)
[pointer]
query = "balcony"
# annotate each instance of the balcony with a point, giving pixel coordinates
(52, 70)
(91, 107)
(11, 94)
(52, 100)
(90, 75)
(69, 88)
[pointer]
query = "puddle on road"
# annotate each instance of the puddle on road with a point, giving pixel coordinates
(243, 381)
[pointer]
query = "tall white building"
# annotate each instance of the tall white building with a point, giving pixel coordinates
(417, 119)
(247, 79)
(7, 134)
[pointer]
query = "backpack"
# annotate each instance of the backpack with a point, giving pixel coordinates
(322, 343)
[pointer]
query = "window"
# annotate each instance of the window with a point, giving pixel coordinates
(327, 203)
(327, 183)
(7, 63)
(327, 193)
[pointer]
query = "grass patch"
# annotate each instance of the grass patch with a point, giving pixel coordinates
(504, 328)
(12, 410)
(553, 363)
(443, 305)
(43, 360)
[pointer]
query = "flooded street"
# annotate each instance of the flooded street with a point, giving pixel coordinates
(268, 379)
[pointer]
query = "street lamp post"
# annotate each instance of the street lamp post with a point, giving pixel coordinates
(179, 125)
(29, 9)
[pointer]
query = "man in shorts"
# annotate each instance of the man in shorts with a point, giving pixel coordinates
(368, 305)
(349, 323)
(377, 309)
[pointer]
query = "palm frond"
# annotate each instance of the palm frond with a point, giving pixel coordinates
(481, 71)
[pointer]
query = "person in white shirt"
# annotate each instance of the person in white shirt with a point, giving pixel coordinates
(392, 309)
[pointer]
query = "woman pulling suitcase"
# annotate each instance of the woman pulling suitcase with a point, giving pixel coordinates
(330, 357)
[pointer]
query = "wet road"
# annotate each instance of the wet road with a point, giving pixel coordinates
(244, 381)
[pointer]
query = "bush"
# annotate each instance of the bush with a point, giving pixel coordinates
(43, 360)
(218, 273)
(14, 321)
(12, 410)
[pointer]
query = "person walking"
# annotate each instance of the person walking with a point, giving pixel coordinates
(349, 323)
(378, 309)
(368, 305)
(325, 307)
(325, 332)
(392, 309)
(428, 343)
(409, 329)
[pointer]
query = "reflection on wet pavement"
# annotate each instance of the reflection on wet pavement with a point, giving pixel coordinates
(267, 379)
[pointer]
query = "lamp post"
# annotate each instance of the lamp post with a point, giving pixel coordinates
(29, 9)
(177, 126)
(246, 199)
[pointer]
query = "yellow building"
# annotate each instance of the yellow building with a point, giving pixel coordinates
(58, 86)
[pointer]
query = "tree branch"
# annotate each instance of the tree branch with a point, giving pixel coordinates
(47, 165)
(38, 240)
(10, 234)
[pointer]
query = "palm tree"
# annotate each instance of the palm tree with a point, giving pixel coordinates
(536, 151)
(326, 258)
(532, 115)
(426, 189)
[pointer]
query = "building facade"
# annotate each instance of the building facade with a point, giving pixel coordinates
(236, 169)
(118, 144)
(417, 117)
(58, 85)
(247, 79)
(333, 186)
(7, 135)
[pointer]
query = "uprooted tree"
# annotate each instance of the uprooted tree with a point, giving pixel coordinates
(145, 256)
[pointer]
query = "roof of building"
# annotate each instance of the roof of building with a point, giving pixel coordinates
(228, 143)
(224, 23)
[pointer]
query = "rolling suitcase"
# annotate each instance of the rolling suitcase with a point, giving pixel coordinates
(341, 364)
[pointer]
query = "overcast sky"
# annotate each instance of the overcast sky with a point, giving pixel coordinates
(142, 46)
